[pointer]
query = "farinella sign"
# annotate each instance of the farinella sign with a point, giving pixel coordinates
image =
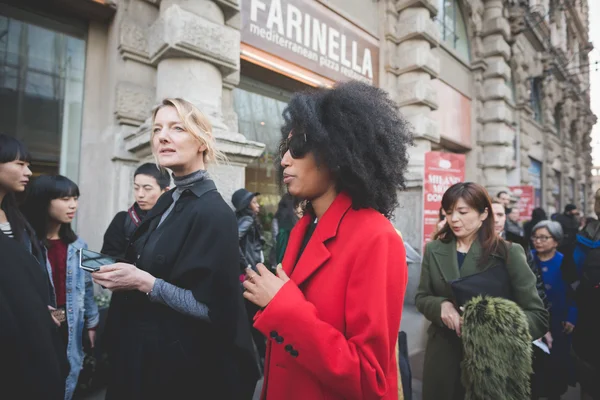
(311, 36)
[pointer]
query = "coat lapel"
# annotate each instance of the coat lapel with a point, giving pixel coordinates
(316, 253)
(445, 259)
(470, 265)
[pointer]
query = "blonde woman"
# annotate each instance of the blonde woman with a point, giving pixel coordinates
(177, 326)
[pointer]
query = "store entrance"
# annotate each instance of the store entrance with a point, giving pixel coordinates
(259, 107)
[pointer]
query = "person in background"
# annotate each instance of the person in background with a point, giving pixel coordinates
(467, 245)
(288, 213)
(441, 222)
(333, 323)
(553, 373)
(586, 346)
(14, 177)
(50, 207)
(512, 222)
(33, 360)
(249, 228)
(537, 215)
(176, 326)
(251, 246)
(149, 183)
(499, 224)
(569, 221)
(504, 198)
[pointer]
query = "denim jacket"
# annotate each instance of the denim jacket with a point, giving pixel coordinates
(81, 310)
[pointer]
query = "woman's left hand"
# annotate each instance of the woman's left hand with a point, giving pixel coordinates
(262, 287)
(568, 327)
(122, 276)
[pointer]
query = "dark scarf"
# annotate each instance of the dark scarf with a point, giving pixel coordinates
(181, 184)
(187, 181)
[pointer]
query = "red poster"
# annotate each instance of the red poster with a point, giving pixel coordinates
(526, 202)
(442, 170)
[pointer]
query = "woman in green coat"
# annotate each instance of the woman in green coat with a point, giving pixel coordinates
(465, 246)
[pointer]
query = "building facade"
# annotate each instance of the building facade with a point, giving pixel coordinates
(505, 82)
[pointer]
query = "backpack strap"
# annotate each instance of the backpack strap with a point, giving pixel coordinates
(134, 216)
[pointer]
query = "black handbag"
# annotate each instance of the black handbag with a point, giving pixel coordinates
(493, 282)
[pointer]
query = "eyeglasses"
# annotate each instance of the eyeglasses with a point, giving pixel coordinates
(540, 238)
(297, 145)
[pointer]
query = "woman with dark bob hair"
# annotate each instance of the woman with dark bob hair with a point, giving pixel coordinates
(332, 312)
(465, 246)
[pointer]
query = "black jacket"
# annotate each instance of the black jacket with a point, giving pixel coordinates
(570, 227)
(162, 352)
(33, 359)
(251, 241)
(120, 231)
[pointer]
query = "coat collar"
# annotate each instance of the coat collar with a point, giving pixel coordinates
(316, 253)
(75, 247)
(166, 199)
(447, 261)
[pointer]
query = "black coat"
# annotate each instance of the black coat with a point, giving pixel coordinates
(120, 231)
(33, 358)
(157, 352)
(251, 241)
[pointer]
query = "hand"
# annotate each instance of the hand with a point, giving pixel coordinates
(450, 317)
(56, 322)
(549, 339)
(262, 287)
(92, 337)
(122, 276)
(568, 327)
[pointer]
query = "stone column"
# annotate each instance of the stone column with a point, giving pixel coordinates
(497, 137)
(410, 66)
(195, 46)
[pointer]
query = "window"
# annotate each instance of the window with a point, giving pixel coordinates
(535, 98)
(556, 191)
(453, 31)
(535, 175)
(41, 89)
(573, 134)
(558, 118)
(259, 108)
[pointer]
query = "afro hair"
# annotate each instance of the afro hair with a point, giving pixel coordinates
(358, 133)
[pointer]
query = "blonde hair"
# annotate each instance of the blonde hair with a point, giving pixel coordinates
(196, 124)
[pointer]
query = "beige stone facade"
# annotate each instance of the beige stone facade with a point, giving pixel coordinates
(505, 82)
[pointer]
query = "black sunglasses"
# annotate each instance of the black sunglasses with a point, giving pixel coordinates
(297, 145)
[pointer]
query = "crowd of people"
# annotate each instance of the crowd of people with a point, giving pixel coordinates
(196, 313)
(555, 282)
(192, 300)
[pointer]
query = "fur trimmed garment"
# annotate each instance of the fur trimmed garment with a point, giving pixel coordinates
(497, 350)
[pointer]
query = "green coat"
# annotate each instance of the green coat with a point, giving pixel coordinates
(441, 371)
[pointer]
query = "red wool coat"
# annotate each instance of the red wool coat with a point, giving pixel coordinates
(332, 329)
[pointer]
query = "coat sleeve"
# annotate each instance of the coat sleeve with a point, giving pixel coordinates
(115, 241)
(354, 364)
(427, 302)
(244, 225)
(523, 283)
(92, 317)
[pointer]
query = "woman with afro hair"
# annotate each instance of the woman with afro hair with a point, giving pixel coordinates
(332, 311)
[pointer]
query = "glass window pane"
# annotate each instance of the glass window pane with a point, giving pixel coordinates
(41, 93)
(461, 37)
(260, 119)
